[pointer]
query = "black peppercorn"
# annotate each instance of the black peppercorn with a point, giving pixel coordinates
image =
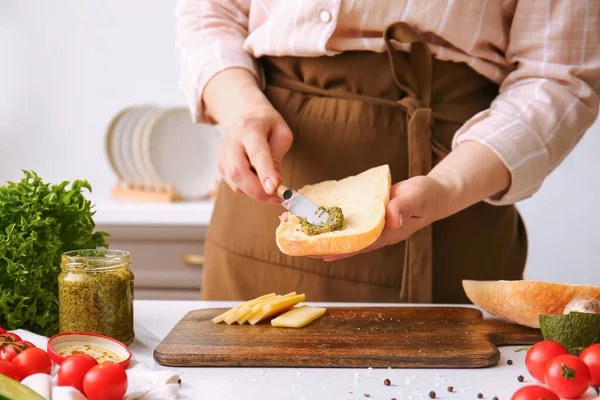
(450, 389)
(367, 395)
(479, 395)
(387, 382)
(509, 362)
(432, 394)
(520, 378)
(179, 381)
(495, 398)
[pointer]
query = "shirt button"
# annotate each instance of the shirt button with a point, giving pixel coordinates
(325, 16)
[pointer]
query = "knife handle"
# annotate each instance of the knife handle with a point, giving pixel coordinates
(284, 192)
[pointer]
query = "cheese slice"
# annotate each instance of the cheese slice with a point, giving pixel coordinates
(298, 317)
(247, 310)
(234, 310)
(275, 307)
(255, 310)
(241, 309)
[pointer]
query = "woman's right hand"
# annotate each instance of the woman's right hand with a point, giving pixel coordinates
(255, 135)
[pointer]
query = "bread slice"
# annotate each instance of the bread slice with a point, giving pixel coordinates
(363, 199)
(523, 302)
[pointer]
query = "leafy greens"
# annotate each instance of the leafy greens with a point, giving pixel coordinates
(38, 222)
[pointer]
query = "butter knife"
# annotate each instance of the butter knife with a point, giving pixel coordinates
(301, 206)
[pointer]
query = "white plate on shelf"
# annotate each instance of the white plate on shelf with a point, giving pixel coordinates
(182, 153)
(112, 142)
(131, 120)
(117, 142)
(142, 162)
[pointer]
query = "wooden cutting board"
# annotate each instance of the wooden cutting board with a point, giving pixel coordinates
(378, 337)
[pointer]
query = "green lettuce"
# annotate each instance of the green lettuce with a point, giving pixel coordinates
(38, 222)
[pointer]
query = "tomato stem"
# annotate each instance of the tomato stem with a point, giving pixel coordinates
(567, 372)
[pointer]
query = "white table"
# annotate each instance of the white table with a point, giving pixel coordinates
(154, 320)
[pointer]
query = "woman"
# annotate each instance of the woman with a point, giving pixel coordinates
(471, 103)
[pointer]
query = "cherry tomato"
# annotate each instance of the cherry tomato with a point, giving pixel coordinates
(591, 357)
(534, 392)
(9, 337)
(8, 369)
(2, 330)
(539, 355)
(8, 351)
(73, 369)
(568, 376)
(106, 381)
(24, 344)
(33, 361)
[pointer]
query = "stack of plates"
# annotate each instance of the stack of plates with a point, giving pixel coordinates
(157, 146)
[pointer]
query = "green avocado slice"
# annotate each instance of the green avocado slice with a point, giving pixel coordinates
(13, 390)
(575, 330)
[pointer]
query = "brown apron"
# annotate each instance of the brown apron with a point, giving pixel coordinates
(349, 113)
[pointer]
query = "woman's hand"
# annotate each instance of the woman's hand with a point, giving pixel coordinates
(414, 204)
(255, 136)
(469, 174)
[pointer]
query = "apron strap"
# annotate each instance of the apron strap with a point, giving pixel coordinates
(415, 79)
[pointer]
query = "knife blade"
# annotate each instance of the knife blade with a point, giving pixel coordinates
(302, 206)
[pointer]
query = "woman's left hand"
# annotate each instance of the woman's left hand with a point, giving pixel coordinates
(414, 204)
(469, 174)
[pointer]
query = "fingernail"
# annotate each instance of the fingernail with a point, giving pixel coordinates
(400, 220)
(269, 185)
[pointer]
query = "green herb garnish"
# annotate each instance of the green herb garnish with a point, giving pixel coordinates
(38, 222)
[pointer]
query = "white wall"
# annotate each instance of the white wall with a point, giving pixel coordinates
(66, 67)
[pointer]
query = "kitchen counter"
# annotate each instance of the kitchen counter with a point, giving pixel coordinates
(196, 213)
(154, 320)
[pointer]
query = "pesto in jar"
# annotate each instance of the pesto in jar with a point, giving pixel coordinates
(95, 294)
(335, 221)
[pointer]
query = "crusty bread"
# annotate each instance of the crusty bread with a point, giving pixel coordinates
(523, 302)
(363, 199)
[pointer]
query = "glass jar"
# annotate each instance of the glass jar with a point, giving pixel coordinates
(95, 293)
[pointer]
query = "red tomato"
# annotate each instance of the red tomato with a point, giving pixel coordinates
(534, 392)
(8, 351)
(2, 330)
(106, 381)
(538, 356)
(9, 337)
(591, 357)
(8, 369)
(568, 376)
(24, 344)
(33, 361)
(73, 369)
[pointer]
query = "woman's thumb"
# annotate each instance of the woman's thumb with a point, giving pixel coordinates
(398, 211)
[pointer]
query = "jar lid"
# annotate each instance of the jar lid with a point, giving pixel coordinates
(102, 348)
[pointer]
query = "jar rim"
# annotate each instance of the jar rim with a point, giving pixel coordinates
(97, 259)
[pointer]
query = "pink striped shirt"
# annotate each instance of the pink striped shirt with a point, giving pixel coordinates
(545, 54)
